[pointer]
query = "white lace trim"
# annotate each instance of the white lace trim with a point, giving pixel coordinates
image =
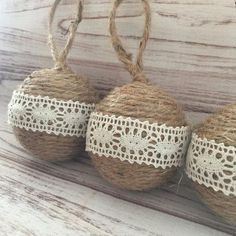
(48, 115)
(212, 164)
(136, 141)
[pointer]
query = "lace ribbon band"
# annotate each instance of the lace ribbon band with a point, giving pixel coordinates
(212, 164)
(136, 141)
(48, 115)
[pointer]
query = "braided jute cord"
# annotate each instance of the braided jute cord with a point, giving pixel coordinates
(135, 69)
(60, 57)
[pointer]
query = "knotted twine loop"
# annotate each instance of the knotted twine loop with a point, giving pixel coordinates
(136, 70)
(60, 57)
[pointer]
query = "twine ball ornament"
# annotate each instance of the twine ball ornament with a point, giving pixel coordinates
(50, 109)
(211, 162)
(128, 126)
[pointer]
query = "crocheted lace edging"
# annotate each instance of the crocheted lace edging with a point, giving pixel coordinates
(44, 114)
(212, 164)
(136, 141)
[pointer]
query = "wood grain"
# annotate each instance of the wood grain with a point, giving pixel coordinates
(191, 54)
(35, 203)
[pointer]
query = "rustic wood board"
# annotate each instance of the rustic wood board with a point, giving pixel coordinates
(36, 203)
(191, 54)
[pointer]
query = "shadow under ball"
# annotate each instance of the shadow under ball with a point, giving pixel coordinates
(145, 102)
(61, 84)
(220, 127)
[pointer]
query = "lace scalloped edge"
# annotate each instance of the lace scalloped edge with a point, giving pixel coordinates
(211, 141)
(163, 166)
(103, 131)
(45, 114)
(179, 128)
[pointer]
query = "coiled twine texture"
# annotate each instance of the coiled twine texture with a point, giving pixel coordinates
(144, 102)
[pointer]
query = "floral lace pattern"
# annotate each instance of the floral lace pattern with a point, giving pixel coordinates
(136, 141)
(48, 115)
(212, 164)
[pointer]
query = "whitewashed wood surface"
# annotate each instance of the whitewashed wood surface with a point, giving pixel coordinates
(191, 54)
(35, 203)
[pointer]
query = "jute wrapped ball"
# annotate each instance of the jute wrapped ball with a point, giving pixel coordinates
(62, 84)
(138, 100)
(220, 127)
(147, 103)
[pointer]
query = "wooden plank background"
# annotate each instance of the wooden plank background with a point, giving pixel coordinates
(191, 54)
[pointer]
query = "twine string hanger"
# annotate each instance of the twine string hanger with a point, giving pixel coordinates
(60, 57)
(135, 69)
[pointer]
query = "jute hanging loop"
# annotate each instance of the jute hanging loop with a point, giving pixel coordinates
(60, 57)
(135, 69)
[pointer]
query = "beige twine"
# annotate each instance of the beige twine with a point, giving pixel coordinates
(138, 100)
(60, 83)
(60, 58)
(136, 70)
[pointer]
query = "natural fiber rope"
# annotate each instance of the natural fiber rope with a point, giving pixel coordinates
(62, 85)
(60, 57)
(220, 127)
(136, 70)
(144, 102)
